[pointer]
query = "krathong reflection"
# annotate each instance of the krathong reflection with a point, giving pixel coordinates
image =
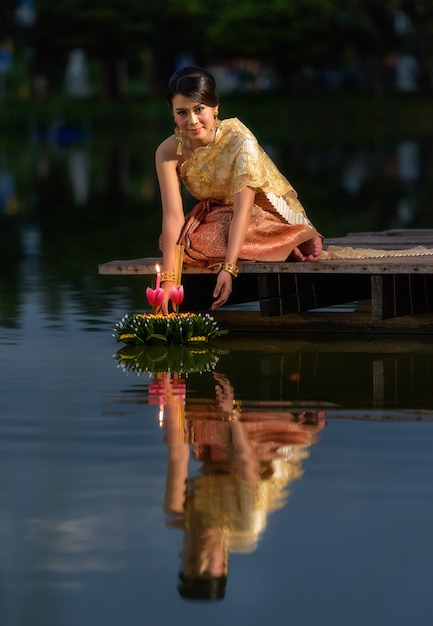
(230, 465)
(182, 359)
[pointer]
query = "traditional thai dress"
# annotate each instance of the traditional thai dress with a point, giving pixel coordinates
(213, 175)
(220, 496)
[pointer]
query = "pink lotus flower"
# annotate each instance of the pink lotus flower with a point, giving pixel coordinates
(155, 296)
(176, 294)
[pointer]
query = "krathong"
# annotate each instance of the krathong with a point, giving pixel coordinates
(176, 296)
(174, 328)
(155, 296)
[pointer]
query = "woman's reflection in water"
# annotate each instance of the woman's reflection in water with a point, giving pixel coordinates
(248, 456)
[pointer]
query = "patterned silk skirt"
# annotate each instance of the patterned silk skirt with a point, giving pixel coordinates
(269, 238)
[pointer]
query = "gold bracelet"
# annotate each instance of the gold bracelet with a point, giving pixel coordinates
(231, 268)
(234, 414)
(167, 277)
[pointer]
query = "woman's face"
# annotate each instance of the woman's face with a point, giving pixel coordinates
(195, 120)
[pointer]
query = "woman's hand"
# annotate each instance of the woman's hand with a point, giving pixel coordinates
(242, 209)
(223, 289)
(165, 307)
(224, 392)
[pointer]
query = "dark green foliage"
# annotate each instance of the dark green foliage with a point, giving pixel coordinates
(285, 34)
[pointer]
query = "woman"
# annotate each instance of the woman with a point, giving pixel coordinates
(247, 210)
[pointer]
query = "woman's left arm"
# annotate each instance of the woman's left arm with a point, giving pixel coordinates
(242, 209)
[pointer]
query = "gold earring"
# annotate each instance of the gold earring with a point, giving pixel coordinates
(179, 136)
(217, 122)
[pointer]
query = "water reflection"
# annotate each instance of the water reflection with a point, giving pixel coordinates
(246, 455)
(92, 454)
(239, 426)
(349, 377)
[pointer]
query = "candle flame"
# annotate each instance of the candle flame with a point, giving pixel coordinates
(157, 268)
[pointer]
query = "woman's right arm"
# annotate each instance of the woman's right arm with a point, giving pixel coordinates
(172, 207)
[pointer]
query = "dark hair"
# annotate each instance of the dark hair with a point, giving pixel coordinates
(211, 589)
(195, 83)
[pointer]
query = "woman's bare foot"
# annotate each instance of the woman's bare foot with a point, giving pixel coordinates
(310, 250)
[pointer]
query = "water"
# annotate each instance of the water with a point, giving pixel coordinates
(84, 464)
(317, 504)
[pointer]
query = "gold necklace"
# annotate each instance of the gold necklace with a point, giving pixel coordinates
(203, 172)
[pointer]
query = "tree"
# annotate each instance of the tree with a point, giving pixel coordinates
(288, 34)
(109, 31)
(285, 34)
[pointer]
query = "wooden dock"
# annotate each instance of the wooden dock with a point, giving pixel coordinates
(387, 295)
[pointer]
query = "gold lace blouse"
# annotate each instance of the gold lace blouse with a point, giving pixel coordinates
(233, 161)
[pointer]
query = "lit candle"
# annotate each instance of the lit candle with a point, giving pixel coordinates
(158, 276)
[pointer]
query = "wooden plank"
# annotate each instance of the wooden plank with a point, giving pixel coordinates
(393, 265)
(391, 239)
(130, 266)
(396, 286)
(394, 296)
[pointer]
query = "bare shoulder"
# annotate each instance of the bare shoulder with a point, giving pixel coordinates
(166, 151)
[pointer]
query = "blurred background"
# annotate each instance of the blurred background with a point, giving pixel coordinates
(338, 92)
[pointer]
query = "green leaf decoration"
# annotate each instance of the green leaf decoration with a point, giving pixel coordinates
(172, 329)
